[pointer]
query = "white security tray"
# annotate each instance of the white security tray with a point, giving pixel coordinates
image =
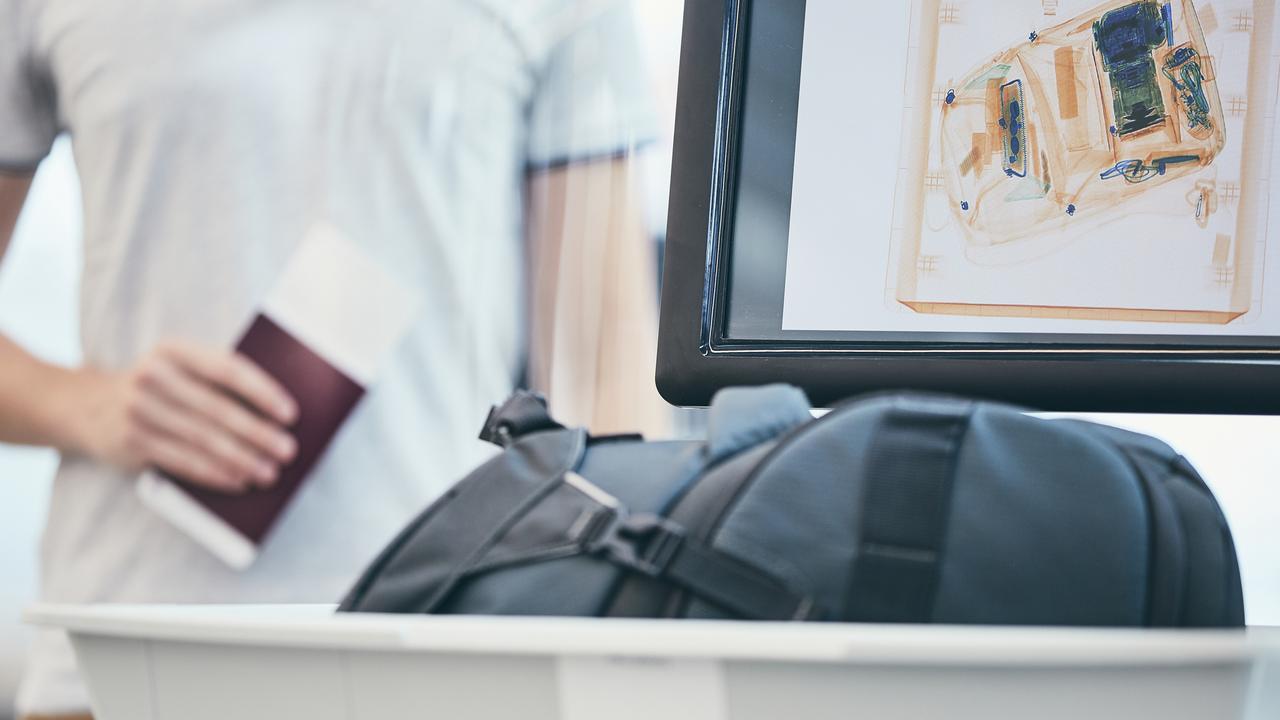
(305, 662)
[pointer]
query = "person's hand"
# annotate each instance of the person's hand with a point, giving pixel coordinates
(208, 416)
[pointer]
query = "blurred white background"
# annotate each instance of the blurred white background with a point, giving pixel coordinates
(38, 301)
(1240, 457)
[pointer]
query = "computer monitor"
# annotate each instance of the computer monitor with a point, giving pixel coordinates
(1062, 204)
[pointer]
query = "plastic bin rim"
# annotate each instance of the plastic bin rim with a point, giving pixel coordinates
(317, 626)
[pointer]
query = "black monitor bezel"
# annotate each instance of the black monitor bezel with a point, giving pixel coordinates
(697, 356)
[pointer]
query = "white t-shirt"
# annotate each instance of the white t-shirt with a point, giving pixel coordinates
(209, 135)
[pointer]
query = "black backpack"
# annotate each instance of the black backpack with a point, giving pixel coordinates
(903, 508)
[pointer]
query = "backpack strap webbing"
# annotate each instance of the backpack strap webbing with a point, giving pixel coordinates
(659, 548)
(421, 568)
(905, 508)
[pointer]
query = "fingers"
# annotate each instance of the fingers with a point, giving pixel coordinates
(175, 457)
(219, 412)
(212, 446)
(210, 417)
(237, 374)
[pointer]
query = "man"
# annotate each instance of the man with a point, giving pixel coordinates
(209, 136)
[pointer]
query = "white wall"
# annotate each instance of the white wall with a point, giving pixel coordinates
(37, 308)
(660, 22)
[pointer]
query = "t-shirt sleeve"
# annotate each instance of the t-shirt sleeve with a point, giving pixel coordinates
(592, 96)
(28, 120)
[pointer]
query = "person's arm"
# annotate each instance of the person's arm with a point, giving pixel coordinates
(210, 416)
(593, 277)
(13, 193)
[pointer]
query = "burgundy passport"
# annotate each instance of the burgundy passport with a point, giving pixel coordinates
(325, 397)
(323, 331)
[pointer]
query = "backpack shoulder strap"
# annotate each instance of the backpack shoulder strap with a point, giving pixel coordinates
(740, 418)
(661, 549)
(905, 507)
(421, 568)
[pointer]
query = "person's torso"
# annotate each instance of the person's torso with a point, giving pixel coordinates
(209, 136)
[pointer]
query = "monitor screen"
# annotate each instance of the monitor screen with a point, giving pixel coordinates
(1027, 180)
(1015, 171)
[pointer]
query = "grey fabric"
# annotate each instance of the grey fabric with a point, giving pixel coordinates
(801, 519)
(1046, 527)
(698, 504)
(742, 417)
(642, 475)
(420, 565)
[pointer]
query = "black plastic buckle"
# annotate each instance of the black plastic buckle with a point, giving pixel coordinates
(644, 543)
(523, 413)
